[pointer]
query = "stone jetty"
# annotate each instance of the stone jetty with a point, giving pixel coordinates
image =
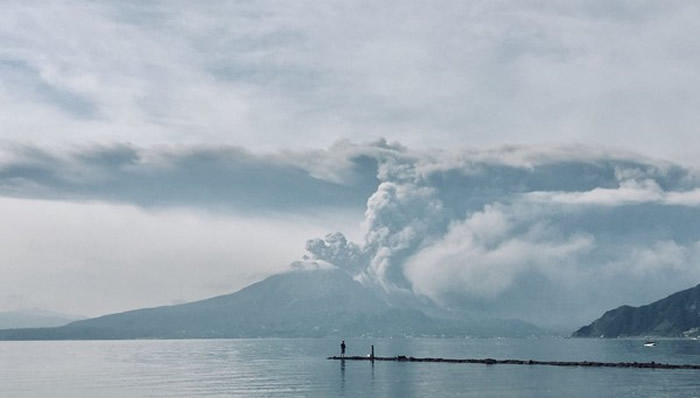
(491, 361)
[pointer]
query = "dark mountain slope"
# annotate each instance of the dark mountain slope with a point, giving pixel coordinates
(673, 316)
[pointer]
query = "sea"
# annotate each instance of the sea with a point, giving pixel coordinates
(300, 368)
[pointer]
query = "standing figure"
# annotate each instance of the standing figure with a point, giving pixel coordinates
(342, 349)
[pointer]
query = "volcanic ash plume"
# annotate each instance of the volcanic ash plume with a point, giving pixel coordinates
(507, 231)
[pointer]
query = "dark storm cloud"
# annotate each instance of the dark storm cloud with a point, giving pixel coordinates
(228, 178)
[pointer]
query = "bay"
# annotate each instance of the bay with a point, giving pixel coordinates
(299, 368)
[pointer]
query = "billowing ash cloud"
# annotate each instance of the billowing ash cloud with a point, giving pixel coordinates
(534, 234)
(485, 254)
(335, 249)
(399, 217)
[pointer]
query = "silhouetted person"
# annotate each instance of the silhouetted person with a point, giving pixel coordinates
(342, 349)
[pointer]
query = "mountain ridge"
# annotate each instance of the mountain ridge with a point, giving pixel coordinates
(677, 315)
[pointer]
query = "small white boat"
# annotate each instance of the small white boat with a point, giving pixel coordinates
(649, 343)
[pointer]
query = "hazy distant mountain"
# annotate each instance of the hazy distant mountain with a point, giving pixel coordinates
(293, 304)
(674, 316)
(33, 319)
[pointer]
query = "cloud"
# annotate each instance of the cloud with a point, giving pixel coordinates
(87, 109)
(630, 191)
(499, 231)
(229, 178)
(661, 256)
(267, 74)
(93, 258)
(335, 250)
(398, 218)
(483, 255)
(504, 235)
(687, 198)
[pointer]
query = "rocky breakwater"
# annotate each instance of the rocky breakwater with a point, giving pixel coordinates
(491, 361)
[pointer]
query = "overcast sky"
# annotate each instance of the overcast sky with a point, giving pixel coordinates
(471, 151)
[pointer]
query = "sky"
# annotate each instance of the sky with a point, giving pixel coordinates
(483, 153)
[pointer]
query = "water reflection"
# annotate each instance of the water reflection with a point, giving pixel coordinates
(342, 377)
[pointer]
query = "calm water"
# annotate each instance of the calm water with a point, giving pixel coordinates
(297, 367)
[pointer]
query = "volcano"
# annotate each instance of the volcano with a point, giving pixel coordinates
(300, 303)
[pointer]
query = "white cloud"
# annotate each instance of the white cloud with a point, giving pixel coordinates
(635, 185)
(658, 258)
(270, 74)
(482, 256)
(687, 198)
(628, 193)
(94, 258)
